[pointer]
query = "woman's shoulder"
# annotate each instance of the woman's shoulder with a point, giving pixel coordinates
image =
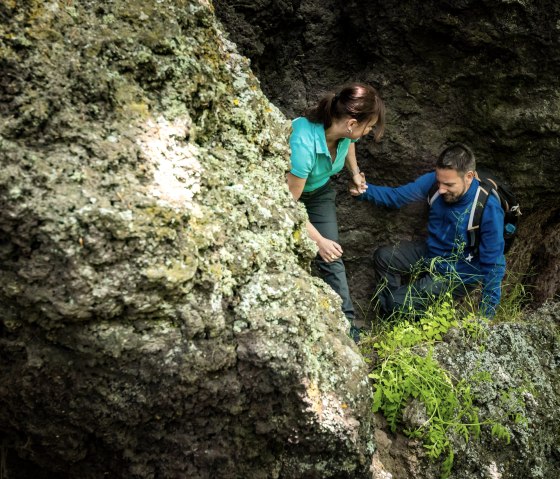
(301, 122)
(303, 129)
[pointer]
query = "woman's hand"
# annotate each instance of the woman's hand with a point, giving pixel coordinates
(358, 184)
(329, 250)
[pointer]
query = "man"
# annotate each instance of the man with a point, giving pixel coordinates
(450, 264)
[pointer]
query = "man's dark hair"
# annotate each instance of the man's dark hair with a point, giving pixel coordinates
(457, 157)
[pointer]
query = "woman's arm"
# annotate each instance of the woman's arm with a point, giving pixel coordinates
(295, 185)
(328, 250)
(358, 183)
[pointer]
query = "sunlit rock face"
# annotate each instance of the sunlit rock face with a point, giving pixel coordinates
(484, 72)
(157, 314)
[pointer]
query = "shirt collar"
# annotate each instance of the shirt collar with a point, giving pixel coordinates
(321, 139)
(468, 197)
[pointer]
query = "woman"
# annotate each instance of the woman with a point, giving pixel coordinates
(322, 142)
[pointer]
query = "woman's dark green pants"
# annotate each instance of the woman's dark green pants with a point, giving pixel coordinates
(321, 209)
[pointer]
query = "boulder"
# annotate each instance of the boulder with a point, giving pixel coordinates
(158, 315)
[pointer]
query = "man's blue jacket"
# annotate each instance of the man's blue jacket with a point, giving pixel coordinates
(447, 234)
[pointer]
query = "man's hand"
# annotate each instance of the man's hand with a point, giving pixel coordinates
(329, 250)
(358, 184)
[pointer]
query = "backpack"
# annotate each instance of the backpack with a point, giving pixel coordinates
(489, 185)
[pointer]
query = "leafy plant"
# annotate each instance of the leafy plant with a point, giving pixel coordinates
(515, 297)
(401, 349)
(406, 370)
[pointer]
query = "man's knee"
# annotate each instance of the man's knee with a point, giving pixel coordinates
(382, 257)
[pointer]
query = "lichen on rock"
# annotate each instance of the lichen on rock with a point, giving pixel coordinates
(515, 380)
(159, 318)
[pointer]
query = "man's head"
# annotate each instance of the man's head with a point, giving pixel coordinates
(455, 170)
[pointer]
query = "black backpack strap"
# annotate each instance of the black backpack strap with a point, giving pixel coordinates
(433, 194)
(473, 228)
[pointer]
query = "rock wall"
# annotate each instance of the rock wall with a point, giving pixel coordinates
(158, 317)
(479, 71)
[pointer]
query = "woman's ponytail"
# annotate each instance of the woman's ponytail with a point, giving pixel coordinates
(323, 111)
(355, 100)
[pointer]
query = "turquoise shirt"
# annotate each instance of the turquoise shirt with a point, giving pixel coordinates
(310, 157)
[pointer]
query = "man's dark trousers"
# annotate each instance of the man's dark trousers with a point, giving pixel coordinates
(407, 259)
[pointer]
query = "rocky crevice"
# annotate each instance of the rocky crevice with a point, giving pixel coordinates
(481, 71)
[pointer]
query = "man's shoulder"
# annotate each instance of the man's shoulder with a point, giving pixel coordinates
(426, 182)
(430, 176)
(493, 209)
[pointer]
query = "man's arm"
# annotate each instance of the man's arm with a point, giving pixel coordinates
(491, 254)
(401, 195)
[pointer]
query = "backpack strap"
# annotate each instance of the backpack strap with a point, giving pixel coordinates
(485, 189)
(433, 194)
(473, 227)
(494, 187)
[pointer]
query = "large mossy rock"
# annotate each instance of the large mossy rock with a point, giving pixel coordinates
(157, 315)
(515, 377)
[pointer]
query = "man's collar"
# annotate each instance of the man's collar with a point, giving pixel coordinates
(471, 191)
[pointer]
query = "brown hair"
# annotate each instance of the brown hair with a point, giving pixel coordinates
(356, 100)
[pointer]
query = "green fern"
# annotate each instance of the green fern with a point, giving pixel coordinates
(406, 369)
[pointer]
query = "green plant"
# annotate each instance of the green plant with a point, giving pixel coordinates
(401, 350)
(406, 370)
(475, 328)
(513, 402)
(515, 297)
